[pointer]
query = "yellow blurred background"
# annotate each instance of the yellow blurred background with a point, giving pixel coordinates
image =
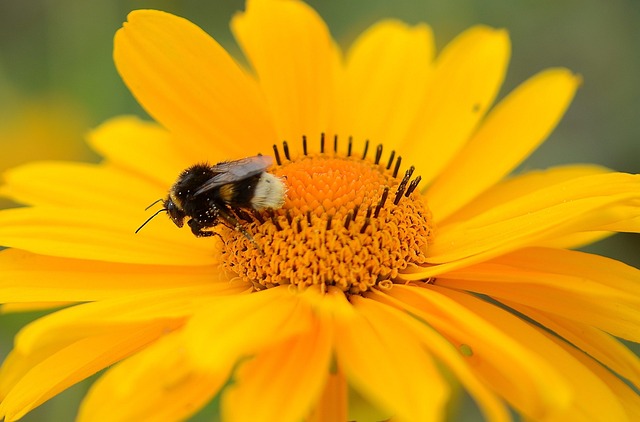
(57, 80)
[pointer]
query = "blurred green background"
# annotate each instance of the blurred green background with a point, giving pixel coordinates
(57, 80)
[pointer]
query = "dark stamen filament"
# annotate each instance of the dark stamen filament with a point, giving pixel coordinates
(304, 144)
(322, 143)
(285, 147)
(347, 221)
(329, 218)
(335, 144)
(366, 149)
(367, 220)
(258, 217)
(403, 185)
(288, 215)
(275, 221)
(408, 174)
(350, 146)
(397, 168)
(277, 154)
(309, 218)
(393, 155)
(243, 215)
(378, 154)
(412, 186)
(383, 199)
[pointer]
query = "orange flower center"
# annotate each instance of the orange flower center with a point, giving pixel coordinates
(348, 221)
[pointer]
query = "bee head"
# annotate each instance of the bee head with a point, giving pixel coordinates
(172, 208)
(176, 213)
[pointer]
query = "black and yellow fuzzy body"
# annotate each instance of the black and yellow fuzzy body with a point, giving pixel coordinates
(208, 195)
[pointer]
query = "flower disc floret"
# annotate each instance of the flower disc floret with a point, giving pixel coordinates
(347, 222)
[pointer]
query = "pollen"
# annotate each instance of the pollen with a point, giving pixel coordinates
(348, 221)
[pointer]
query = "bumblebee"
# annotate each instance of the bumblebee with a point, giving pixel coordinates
(208, 195)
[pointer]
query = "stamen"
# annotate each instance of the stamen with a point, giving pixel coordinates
(274, 220)
(378, 154)
(304, 144)
(347, 221)
(322, 143)
(365, 225)
(329, 218)
(355, 210)
(335, 144)
(277, 154)
(350, 146)
(285, 147)
(397, 168)
(412, 186)
(403, 184)
(366, 149)
(299, 224)
(367, 220)
(383, 199)
(258, 216)
(287, 214)
(309, 218)
(393, 155)
(243, 215)
(408, 174)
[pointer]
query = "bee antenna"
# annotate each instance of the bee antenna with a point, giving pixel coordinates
(154, 202)
(151, 218)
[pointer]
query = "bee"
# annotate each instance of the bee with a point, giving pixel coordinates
(209, 195)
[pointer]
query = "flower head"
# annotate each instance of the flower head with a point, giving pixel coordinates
(402, 254)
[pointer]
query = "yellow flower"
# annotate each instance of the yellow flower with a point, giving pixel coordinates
(359, 288)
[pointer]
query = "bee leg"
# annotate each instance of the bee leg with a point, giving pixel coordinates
(233, 223)
(197, 229)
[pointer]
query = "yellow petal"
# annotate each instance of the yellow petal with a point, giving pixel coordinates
(190, 85)
(629, 225)
(576, 205)
(291, 50)
(163, 381)
(330, 304)
(271, 316)
(585, 288)
(171, 306)
(511, 131)
(514, 187)
(598, 394)
(384, 83)
(623, 395)
(28, 277)
(144, 148)
(103, 236)
(28, 381)
(504, 360)
(591, 397)
(492, 407)
(333, 403)
(292, 372)
(79, 185)
(388, 366)
(467, 76)
(603, 347)
(576, 240)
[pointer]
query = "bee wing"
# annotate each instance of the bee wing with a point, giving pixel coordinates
(234, 171)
